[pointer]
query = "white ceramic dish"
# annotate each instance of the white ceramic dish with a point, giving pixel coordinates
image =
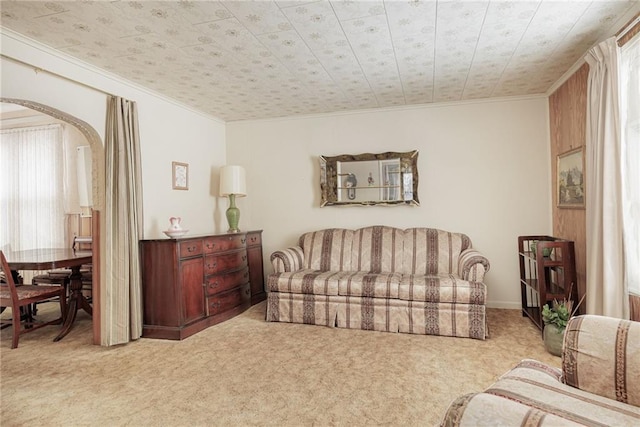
(174, 234)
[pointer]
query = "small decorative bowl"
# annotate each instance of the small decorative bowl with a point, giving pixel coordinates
(174, 234)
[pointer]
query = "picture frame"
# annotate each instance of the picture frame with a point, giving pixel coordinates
(180, 175)
(570, 179)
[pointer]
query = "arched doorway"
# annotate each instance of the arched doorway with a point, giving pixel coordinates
(97, 190)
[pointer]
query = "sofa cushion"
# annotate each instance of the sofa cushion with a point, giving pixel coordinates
(377, 249)
(431, 251)
(538, 386)
(602, 355)
(379, 285)
(441, 289)
(306, 282)
(484, 409)
(327, 250)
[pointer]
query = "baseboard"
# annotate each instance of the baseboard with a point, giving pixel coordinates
(504, 304)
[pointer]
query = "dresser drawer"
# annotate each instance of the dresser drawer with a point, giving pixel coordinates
(190, 248)
(224, 243)
(254, 239)
(228, 300)
(218, 263)
(223, 282)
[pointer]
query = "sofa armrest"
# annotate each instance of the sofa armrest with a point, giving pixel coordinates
(290, 259)
(472, 265)
(601, 355)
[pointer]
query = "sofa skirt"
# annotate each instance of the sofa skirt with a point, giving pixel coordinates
(446, 319)
(308, 309)
(379, 314)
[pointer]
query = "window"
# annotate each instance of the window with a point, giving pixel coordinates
(31, 188)
(630, 124)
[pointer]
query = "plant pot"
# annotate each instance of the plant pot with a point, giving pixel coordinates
(553, 337)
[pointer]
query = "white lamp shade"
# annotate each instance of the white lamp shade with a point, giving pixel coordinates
(233, 181)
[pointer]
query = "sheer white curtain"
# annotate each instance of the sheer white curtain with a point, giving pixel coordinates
(606, 293)
(31, 188)
(122, 302)
(630, 120)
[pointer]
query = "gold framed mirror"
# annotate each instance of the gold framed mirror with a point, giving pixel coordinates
(369, 179)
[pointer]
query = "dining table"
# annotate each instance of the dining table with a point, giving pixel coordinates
(54, 258)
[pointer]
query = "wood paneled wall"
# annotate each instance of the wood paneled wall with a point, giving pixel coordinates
(634, 308)
(567, 119)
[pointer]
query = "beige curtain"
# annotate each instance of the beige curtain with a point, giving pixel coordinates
(606, 293)
(122, 295)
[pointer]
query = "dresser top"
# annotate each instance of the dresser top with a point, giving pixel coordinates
(201, 236)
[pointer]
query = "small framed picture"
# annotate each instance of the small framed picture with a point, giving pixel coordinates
(180, 175)
(570, 179)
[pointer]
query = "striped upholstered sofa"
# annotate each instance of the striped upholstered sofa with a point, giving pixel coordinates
(598, 385)
(418, 280)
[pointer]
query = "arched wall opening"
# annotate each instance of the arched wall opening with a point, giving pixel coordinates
(98, 190)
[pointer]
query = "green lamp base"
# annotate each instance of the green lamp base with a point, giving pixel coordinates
(233, 215)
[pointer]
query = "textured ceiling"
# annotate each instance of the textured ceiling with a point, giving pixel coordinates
(242, 60)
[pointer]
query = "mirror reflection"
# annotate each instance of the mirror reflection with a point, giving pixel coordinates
(367, 179)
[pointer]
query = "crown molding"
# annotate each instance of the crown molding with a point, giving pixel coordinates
(621, 23)
(570, 72)
(397, 109)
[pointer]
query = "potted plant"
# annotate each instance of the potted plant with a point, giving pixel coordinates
(555, 320)
(546, 252)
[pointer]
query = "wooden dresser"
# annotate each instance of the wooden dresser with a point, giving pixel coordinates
(191, 283)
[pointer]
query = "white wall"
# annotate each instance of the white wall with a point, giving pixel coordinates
(484, 171)
(168, 131)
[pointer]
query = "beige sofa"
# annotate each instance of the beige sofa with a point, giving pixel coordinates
(598, 385)
(418, 280)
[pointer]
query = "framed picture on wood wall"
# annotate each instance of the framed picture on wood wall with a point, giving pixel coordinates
(570, 179)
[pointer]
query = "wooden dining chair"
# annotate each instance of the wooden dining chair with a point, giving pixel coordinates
(20, 298)
(85, 243)
(62, 276)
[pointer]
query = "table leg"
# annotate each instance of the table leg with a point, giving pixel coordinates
(76, 301)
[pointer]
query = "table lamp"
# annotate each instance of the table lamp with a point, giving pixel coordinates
(232, 184)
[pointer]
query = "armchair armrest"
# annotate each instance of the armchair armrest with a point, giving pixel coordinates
(290, 259)
(601, 355)
(472, 265)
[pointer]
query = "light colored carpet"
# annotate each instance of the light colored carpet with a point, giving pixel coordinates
(247, 372)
